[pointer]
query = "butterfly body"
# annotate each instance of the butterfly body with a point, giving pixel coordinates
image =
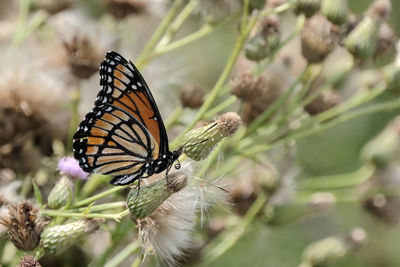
(123, 135)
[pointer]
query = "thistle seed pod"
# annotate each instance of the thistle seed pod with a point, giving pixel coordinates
(23, 225)
(318, 38)
(60, 195)
(362, 41)
(335, 10)
(192, 96)
(324, 251)
(199, 142)
(143, 201)
(307, 7)
(57, 239)
(263, 43)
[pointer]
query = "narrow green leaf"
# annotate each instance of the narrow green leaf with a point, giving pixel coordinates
(38, 194)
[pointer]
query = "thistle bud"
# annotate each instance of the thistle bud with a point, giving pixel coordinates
(307, 7)
(70, 167)
(28, 261)
(379, 10)
(249, 113)
(201, 141)
(122, 8)
(192, 96)
(326, 100)
(60, 195)
(143, 201)
(58, 238)
(361, 41)
(335, 10)
(324, 251)
(83, 57)
(264, 42)
(23, 225)
(318, 38)
(386, 43)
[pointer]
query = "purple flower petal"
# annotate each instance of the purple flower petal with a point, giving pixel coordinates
(70, 167)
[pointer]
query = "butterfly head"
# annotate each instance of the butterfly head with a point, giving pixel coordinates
(175, 155)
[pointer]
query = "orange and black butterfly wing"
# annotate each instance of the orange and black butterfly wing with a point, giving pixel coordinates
(124, 87)
(112, 141)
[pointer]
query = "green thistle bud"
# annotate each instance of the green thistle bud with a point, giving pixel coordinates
(57, 239)
(362, 41)
(201, 141)
(263, 43)
(307, 7)
(324, 251)
(143, 201)
(60, 195)
(335, 10)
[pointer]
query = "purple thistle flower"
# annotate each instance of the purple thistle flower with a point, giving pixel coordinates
(70, 167)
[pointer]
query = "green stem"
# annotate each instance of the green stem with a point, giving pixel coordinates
(74, 120)
(174, 117)
(123, 254)
(212, 112)
(177, 24)
(24, 7)
(350, 104)
(203, 31)
(165, 23)
(323, 183)
(219, 84)
(101, 207)
(385, 106)
(57, 213)
(230, 239)
(98, 196)
(92, 184)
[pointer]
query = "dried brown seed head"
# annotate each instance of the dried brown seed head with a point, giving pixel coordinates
(23, 225)
(326, 100)
(228, 123)
(318, 38)
(192, 96)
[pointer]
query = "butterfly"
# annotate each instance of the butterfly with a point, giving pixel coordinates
(124, 134)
